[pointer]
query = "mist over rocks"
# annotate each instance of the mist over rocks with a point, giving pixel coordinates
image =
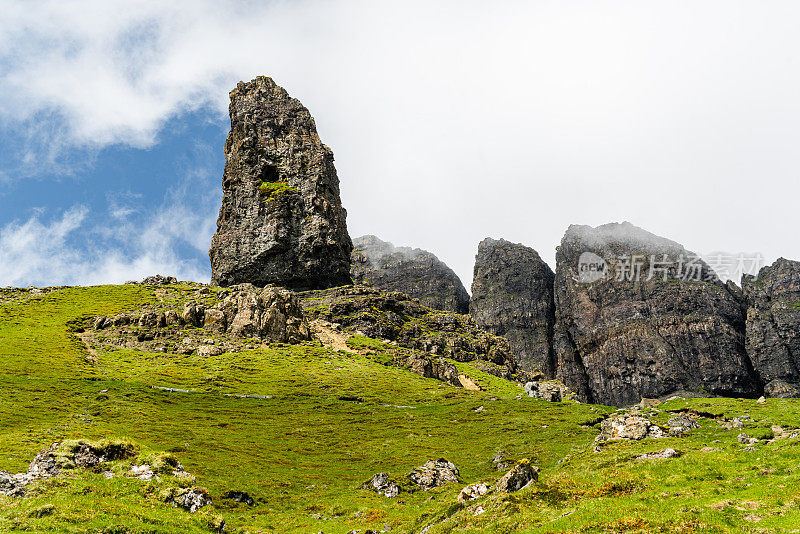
(415, 272)
(512, 296)
(649, 330)
(281, 220)
(773, 326)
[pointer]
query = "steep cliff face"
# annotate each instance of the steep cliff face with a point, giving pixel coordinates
(281, 220)
(773, 326)
(639, 316)
(415, 272)
(512, 296)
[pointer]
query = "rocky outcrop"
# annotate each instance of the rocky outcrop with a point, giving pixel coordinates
(70, 454)
(512, 296)
(640, 316)
(281, 220)
(238, 316)
(415, 272)
(395, 317)
(773, 327)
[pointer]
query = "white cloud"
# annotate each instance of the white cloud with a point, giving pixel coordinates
(453, 120)
(73, 249)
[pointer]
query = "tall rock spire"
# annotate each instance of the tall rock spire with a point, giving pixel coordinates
(281, 220)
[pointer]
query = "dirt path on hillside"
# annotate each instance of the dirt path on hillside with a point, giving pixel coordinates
(91, 353)
(330, 337)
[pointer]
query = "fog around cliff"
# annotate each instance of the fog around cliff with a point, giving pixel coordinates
(450, 122)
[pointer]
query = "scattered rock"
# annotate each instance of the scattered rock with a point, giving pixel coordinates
(472, 492)
(518, 477)
(502, 461)
(434, 473)
(551, 390)
(745, 439)
(159, 280)
(666, 453)
(628, 426)
(142, 472)
(382, 484)
(681, 424)
(190, 499)
(239, 496)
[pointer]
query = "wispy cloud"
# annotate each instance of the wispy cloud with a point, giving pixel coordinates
(79, 247)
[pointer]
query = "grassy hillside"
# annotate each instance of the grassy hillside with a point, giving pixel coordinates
(329, 420)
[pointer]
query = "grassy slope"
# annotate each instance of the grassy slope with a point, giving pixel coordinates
(303, 452)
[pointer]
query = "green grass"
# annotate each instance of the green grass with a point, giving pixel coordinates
(331, 420)
(271, 190)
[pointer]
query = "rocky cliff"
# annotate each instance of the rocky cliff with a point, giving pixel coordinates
(512, 296)
(640, 316)
(415, 272)
(281, 220)
(773, 327)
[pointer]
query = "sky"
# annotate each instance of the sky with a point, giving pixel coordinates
(450, 121)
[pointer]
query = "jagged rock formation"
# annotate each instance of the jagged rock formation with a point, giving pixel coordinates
(773, 326)
(415, 272)
(394, 316)
(512, 296)
(281, 220)
(622, 336)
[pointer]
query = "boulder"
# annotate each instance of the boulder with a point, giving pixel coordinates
(472, 492)
(640, 316)
(434, 473)
(518, 477)
(159, 280)
(415, 272)
(190, 499)
(681, 424)
(659, 455)
(270, 314)
(281, 220)
(512, 296)
(383, 485)
(627, 426)
(551, 390)
(239, 496)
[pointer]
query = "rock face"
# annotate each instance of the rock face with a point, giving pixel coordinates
(512, 296)
(415, 272)
(281, 220)
(640, 316)
(773, 326)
